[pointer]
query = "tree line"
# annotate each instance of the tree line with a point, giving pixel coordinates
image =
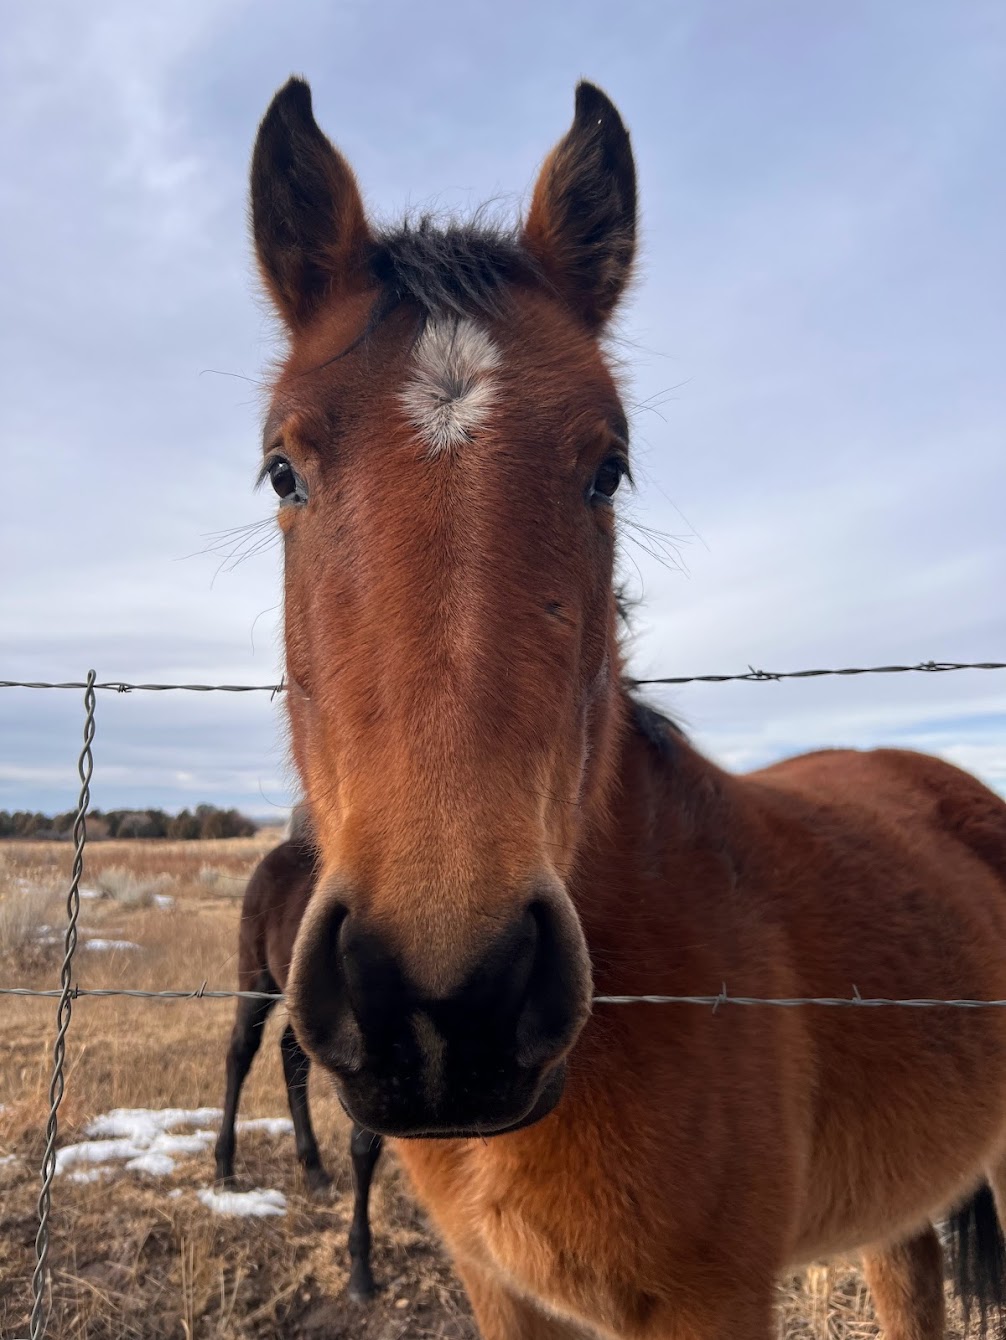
(205, 821)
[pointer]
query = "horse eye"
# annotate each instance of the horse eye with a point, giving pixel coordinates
(282, 477)
(608, 477)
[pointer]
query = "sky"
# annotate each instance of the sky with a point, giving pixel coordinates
(815, 347)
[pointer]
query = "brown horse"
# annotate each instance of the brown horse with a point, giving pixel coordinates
(504, 831)
(274, 902)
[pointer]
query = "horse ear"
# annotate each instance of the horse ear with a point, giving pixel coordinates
(307, 215)
(582, 221)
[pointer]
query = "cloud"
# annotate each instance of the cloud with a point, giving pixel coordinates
(820, 285)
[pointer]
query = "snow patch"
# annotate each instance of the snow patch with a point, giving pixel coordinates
(149, 1140)
(141, 1138)
(90, 1174)
(93, 1151)
(146, 1122)
(271, 1125)
(48, 935)
(258, 1203)
(163, 900)
(154, 1164)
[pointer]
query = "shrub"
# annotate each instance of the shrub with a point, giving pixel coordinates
(23, 922)
(130, 889)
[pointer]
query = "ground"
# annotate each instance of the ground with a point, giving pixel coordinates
(136, 1254)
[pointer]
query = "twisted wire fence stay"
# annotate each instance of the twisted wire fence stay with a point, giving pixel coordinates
(85, 769)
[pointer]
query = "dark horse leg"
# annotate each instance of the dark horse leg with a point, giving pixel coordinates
(295, 1070)
(246, 1038)
(364, 1150)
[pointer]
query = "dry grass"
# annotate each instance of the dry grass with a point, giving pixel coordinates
(22, 920)
(30, 904)
(138, 1258)
(132, 1261)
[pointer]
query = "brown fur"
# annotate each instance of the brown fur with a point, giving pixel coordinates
(463, 733)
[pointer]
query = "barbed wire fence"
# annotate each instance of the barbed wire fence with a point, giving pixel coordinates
(68, 991)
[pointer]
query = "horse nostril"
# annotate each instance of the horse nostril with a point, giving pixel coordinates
(317, 994)
(555, 1002)
(498, 986)
(376, 990)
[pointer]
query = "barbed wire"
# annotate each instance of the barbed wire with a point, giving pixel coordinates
(751, 675)
(723, 997)
(124, 686)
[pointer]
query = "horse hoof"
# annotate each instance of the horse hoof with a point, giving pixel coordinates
(362, 1290)
(318, 1181)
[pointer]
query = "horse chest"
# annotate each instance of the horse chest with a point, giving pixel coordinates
(536, 1235)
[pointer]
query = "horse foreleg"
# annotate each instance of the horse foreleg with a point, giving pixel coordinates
(246, 1038)
(722, 1314)
(906, 1281)
(502, 1315)
(296, 1067)
(364, 1151)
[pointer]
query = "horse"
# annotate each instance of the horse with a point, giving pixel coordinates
(273, 904)
(506, 830)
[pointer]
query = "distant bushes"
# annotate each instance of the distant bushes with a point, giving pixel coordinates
(205, 821)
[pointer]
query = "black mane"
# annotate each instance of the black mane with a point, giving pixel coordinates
(659, 731)
(450, 269)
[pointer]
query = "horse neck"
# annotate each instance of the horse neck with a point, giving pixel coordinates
(669, 822)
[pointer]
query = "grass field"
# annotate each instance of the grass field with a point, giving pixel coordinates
(136, 1255)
